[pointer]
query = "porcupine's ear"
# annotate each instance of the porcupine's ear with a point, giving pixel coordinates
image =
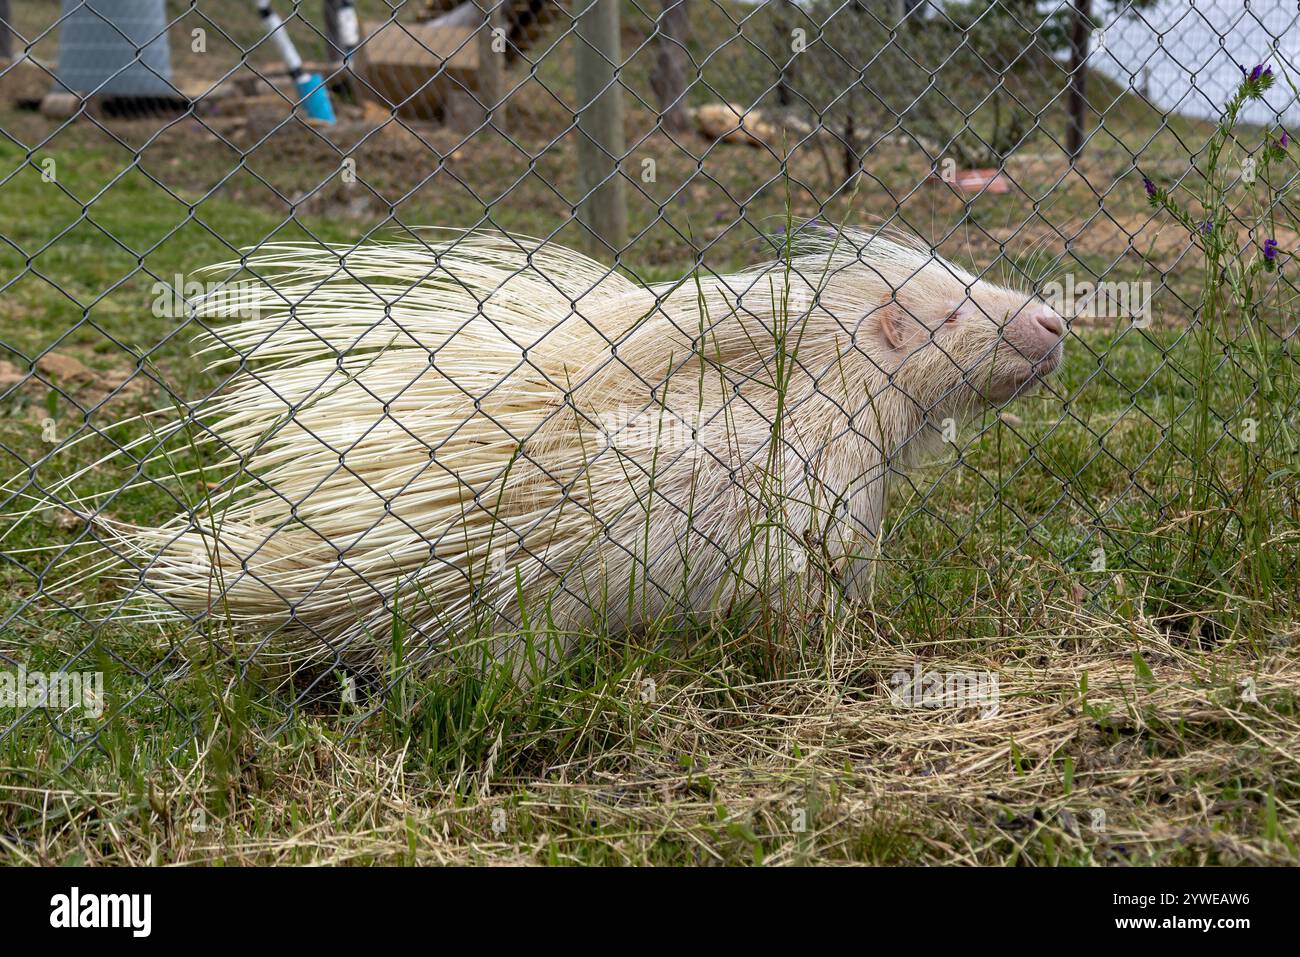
(898, 327)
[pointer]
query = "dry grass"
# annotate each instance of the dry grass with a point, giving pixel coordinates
(716, 765)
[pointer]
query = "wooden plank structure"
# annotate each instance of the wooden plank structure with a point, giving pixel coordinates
(415, 69)
(425, 70)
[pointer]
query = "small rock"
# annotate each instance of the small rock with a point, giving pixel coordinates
(64, 370)
(60, 106)
(727, 122)
(10, 374)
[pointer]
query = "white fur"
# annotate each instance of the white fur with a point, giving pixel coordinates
(428, 426)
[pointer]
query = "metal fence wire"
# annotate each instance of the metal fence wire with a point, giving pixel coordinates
(361, 433)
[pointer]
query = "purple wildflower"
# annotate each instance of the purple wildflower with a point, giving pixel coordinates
(1270, 250)
(1257, 72)
(1207, 227)
(1149, 186)
(1283, 140)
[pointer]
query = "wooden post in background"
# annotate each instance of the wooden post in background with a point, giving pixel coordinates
(491, 63)
(6, 38)
(603, 206)
(333, 38)
(672, 63)
(784, 23)
(1080, 34)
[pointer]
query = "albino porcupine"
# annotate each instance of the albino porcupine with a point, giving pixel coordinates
(482, 421)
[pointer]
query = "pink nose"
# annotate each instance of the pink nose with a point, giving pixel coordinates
(1050, 321)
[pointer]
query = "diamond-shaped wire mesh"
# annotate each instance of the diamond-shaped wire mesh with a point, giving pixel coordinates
(434, 460)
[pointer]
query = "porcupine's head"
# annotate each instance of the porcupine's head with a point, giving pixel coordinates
(948, 341)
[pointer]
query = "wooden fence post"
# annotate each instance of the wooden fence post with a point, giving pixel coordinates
(6, 38)
(1080, 34)
(603, 207)
(491, 63)
(672, 64)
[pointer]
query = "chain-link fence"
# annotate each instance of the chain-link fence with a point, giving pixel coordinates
(362, 441)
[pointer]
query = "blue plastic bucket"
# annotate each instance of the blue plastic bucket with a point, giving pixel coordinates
(316, 98)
